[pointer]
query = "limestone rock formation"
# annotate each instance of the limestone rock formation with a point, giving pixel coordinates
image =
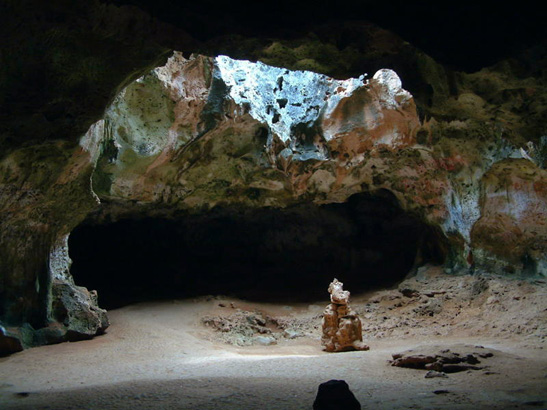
(202, 132)
(341, 326)
(513, 217)
(74, 308)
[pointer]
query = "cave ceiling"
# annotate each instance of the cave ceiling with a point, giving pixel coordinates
(55, 54)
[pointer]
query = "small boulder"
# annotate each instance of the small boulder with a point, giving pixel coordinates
(335, 395)
(9, 342)
(292, 333)
(264, 340)
(433, 373)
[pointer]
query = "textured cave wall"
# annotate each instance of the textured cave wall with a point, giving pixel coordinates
(513, 213)
(45, 190)
(56, 53)
(60, 64)
(63, 62)
(204, 132)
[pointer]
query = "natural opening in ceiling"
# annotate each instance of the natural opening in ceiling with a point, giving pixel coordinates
(262, 255)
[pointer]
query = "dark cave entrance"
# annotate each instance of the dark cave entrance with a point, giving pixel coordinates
(263, 255)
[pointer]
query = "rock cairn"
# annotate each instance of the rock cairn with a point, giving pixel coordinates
(341, 326)
(342, 330)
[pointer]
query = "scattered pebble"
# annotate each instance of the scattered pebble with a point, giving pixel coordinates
(265, 340)
(22, 394)
(433, 373)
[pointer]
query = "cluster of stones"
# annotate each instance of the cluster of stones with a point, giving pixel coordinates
(342, 330)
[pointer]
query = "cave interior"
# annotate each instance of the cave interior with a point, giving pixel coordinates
(458, 214)
(269, 255)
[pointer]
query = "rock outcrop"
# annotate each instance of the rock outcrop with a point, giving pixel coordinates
(342, 330)
(203, 132)
(513, 218)
(444, 361)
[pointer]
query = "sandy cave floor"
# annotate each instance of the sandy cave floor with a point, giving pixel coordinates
(203, 353)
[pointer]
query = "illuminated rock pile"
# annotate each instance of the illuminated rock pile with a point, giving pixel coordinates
(341, 326)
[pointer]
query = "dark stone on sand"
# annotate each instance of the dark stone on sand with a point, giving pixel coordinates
(335, 395)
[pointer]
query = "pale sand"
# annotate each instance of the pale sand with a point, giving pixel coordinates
(159, 355)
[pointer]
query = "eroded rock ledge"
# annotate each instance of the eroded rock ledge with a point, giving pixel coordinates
(204, 132)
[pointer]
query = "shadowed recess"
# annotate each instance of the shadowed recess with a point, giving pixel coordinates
(263, 255)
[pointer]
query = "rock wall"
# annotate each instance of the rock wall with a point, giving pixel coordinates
(186, 136)
(204, 132)
(510, 234)
(46, 192)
